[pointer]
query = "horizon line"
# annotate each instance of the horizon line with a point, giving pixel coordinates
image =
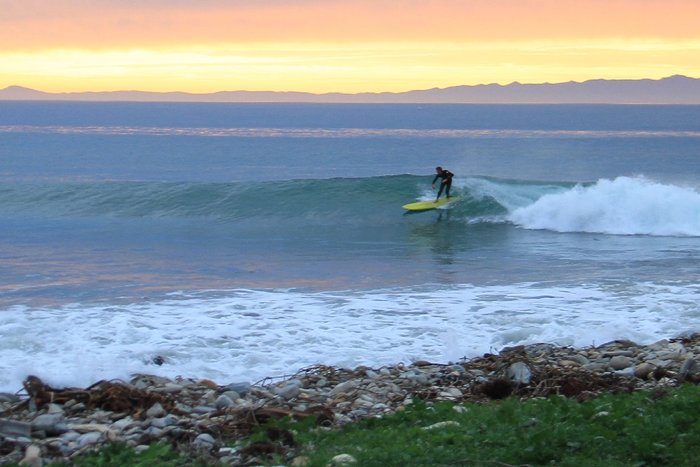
(434, 88)
(673, 89)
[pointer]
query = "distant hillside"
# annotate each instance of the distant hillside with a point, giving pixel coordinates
(671, 90)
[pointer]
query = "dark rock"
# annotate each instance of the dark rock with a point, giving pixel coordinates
(498, 388)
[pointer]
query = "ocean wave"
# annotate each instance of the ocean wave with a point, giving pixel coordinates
(623, 206)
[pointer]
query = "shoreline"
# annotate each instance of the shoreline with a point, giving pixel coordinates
(208, 418)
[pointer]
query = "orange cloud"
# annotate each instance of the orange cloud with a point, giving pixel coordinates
(31, 24)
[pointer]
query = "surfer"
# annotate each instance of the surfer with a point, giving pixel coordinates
(446, 182)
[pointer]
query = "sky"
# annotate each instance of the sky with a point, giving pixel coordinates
(345, 46)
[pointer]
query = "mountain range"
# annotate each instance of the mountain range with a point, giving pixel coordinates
(675, 89)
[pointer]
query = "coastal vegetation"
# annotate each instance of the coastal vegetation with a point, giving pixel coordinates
(617, 404)
(650, 427)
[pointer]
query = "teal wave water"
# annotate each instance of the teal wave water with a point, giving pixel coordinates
(625, 206)
(336, 198)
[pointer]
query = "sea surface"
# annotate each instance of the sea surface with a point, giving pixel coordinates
(246, 241)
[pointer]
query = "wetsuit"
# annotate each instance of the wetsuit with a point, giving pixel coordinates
(446, 183)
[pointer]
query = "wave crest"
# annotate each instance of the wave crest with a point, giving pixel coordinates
(623, 206)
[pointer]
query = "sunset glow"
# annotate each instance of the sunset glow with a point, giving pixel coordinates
(340, 45)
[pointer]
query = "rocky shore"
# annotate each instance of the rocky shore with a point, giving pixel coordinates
(39, 423)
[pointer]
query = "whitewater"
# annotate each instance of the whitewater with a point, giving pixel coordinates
(240, 242)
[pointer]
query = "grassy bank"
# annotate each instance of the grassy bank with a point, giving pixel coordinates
(641, 428)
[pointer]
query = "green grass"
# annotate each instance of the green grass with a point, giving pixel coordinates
(614, 430)
(118, 454)
(619, 430)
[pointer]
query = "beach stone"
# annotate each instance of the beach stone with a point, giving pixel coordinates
(88, 427)
(227, 451)
(451, 393)
(657, 362)
(32, 456)
(141, 448)
(342, 459)
(50, 423)
(7, 398)
(660, 344)
(203, 409)
(204, 442)
(209, 397)
(148, 381)
(69, 436)
(288, 390)
(688, 368)
(88, 439)
(643, 370)
(620, 362)
(240, 388)
(676, 347)
(626, 372)
(519, 373)
(438, 425)
(158, 360)
(358, 413)
(13, 428)
(156, 411)
(153, 432)
(223, 402)
(162, 422)
(568, 363)
(122, 424)
(344, 387)
(580, 359)
(321, 383)
(415, 376)
(184, 408)
(670, 355)
(233, 395)
(620, 353)
(169, 388)
(380, 407)
(362, 404)
(54, 408)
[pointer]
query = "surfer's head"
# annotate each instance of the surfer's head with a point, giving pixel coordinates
(438, 169)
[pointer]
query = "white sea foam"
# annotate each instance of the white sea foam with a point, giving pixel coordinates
(247, 335)
(623, 206)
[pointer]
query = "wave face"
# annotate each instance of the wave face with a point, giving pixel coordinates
(622, 206)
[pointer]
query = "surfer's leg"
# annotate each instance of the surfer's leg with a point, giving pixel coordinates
(442, 187)
(447, 190)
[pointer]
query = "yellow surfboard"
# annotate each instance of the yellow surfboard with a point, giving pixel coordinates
(427, 205)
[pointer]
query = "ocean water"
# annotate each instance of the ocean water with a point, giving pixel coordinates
(245, 241)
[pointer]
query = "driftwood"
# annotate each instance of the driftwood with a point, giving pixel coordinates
(106, 395)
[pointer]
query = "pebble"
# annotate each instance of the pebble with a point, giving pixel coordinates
(438, 425)
(342, 459)
(198, 415)
(32, 456)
